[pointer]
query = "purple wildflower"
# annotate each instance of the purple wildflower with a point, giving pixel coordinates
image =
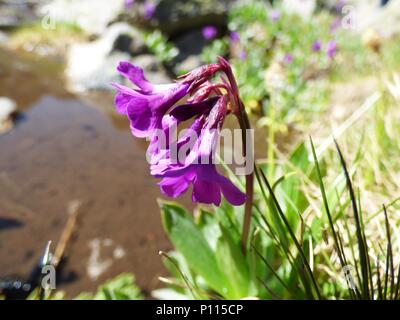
(335, 24)
(207, 182)
(288, 58)
(243, 55)
(209, 32)
(234, 36)
(339, 5)
(189, 160)
(316, 46)
(149, 10)
(275, 15)
(331, 49)
(146, 106)
(129, 4)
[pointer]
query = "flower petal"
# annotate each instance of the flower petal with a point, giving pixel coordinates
(136, 75)
(174, 187)
(231, 192)
(140, 116)
(206, 192)
(186, 111)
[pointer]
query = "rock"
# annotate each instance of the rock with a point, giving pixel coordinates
(93, 17)
(8, 110)
(190, 45)
(174, 16)
(3, 38)
(92, 66)
(131, 42)
(14, 13)
(302, 8)
(190, 63)
(384, 20)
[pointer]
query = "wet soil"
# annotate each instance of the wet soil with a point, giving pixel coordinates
(64, 149)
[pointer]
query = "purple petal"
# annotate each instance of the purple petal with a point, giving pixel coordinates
(140, 116)
(174, 187)
(136, 75)
(234, 36)
(149, 10)
(209, 32)
(186, 111)
(206, 192)
(121, 102)
(231, 192)
(316, 46)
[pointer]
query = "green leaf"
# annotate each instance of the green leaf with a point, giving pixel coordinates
(190, 242)
(232, 261)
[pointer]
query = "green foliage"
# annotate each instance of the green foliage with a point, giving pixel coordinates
(160, 47)
(122, 287)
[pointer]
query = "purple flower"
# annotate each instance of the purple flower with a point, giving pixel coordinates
(198, 168)
(288, 58)
(129, 3)
(234, 36)
(149, 9)
(146, 106)
(189, 160)
(243, 55)
(275, 15)
(339, 5)
(316, 46)
(331, 49)
(335, 24)
(209, 32)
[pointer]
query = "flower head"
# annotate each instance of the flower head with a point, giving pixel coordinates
(209, 32)
(234, 36)
(129, 3)
(190, 159)
(146, 106)
(149, 10)
(275, 15)
(331, 49)
(316, 46)
(288, 58)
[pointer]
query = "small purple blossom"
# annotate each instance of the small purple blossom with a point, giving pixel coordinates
(335, 24)
(234, 36)
(339, 5)
(243, 55)
(288, 58)
(316, 46)
(149, 10)
(209, 32)
(274, 15)
(129, 4)
(331, 49)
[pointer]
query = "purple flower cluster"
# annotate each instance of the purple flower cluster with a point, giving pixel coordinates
(152, 109)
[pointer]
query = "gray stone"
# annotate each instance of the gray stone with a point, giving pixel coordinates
(190, 45)
(174, 16)
(92, 16)
(3, 37)
(92, 66)
(8, 110)
(14, 13)
(190, 63)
